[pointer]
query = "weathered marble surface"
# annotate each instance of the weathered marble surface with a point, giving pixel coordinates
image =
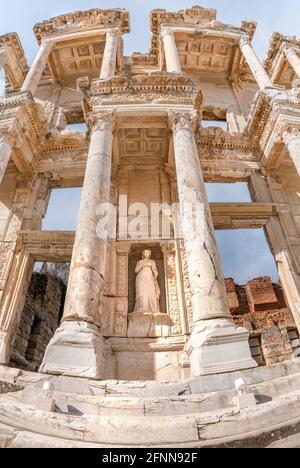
(77, 349)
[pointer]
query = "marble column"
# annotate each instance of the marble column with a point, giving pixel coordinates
(77, 347)
(35, 73)
(262, 78)
(216, 344)
(292, 56)
(171, 53)
(6, 144)
(108, 67)
(291, 138)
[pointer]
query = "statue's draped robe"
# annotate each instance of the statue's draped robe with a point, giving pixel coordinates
(147, 288)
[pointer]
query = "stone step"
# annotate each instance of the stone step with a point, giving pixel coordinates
(258, 427)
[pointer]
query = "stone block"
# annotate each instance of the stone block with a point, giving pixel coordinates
(45, 404)
(77, 349)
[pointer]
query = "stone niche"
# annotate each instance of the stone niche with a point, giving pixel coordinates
(147, 325)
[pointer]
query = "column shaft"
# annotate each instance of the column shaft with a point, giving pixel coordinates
(262, 78)
(216, 344)
(36, 71)
(171, 54)
(108, 68)
(87, 269)
(204, 265)
(293, 58)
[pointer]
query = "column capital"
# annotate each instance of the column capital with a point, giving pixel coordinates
(290, 50)
(114, 33)
(104, 120)
(245, 40)
(8, 137)
(166, 32)
(183, 121)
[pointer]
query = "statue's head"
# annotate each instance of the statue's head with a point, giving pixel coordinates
(147, 254)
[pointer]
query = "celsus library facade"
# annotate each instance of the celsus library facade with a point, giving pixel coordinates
(147, 314)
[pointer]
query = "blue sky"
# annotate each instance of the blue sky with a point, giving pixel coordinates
(244, 254)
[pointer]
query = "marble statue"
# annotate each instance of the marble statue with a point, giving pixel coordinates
(147, 288)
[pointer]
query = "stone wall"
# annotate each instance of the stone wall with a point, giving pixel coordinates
(260, 306)
(40, 318)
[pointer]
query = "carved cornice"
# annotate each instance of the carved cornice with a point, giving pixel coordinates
(187, 121)
(277, 44)
(214, 137)
(163, 88)
(83, 21)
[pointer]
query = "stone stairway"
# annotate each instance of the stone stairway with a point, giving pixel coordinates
(190, 413)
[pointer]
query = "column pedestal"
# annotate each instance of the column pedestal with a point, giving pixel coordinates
(77, 349)
(216, 345)
(219, 346)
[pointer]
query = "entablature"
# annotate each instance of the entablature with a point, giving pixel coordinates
(277, 63)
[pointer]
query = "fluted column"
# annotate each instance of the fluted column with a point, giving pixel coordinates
(171, 53)
(82, 314)
(6, 144)
(37, 68)
(216, 344)
(291, 138)
(292, 56)
(108, 67)
(261, 76)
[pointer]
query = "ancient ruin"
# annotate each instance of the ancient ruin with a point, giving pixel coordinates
(148, 333)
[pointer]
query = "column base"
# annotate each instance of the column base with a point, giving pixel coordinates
(219, 346)
(77, 349)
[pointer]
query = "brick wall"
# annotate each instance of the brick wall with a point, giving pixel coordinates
(40, 318)
(260, 306)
